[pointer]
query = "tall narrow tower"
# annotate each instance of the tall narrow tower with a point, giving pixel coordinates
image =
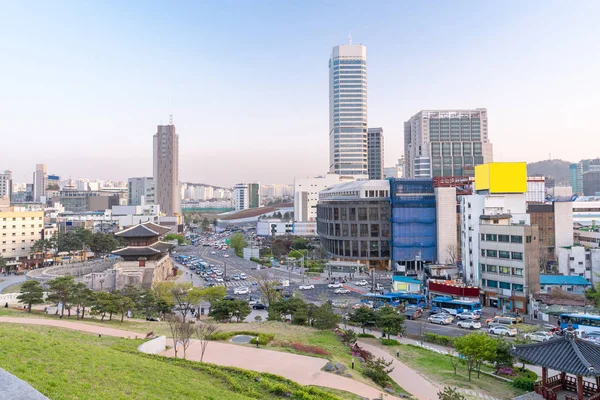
(166, 170)
(348, 111)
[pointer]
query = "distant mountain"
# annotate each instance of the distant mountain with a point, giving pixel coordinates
(558, 170)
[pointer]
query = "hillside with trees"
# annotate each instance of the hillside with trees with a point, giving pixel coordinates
(558, 170)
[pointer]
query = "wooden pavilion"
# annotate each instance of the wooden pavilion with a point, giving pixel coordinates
(574, 358)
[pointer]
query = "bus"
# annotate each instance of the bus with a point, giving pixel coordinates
(582, 322)
(453, 306)
(394, 299)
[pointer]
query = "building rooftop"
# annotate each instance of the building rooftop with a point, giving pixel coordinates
(406, 279)
(563, 280)
(143, 251)
(147, 229)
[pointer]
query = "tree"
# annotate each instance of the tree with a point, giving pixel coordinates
(238, 242)
(204, 333)
(103, 243)
(122, 304)
(172, 321)
(104, 304)
(185, 332)
(325, 318)
(388, 320)
(60, 291)
(3, 265)
(31, 293)
(135, 294)
(378, 370)
(173, 236)
(205, 224)
(186, 298)
(348, 337)
(454, 360)
(41, 247)
(83, 297)
(474, 349)
(364, 316)
(224, 310)
(300, 243)
(451, 254)
(147, 303)
(295, 306)
(164, 296)
(450, 393)
(212, 294)
(502, 358)
(268, 288)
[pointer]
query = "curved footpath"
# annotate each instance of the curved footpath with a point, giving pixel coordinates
(302, 369)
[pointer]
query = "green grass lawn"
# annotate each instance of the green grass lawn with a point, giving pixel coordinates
(438, 368)
(65, 364)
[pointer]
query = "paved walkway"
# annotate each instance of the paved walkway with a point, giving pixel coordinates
(410, 380)
(302, 369)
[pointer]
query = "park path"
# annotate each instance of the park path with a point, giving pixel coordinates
(302, 369)
(410, 380)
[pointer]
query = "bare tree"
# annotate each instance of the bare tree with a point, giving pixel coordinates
(185, 332)
(454, 360)
(451, 254)
(268, 288)
(172, 321)
(186, 298)
(204, 333)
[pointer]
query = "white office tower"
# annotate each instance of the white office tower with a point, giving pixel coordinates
(40, 182)
(241, 197)
(140, 191)
(348, 152)
(306, 194)
(441, 143)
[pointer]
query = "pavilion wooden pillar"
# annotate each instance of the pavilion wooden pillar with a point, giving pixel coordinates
(563, 378)
(544, 376)
(598, 384)
(579, 387)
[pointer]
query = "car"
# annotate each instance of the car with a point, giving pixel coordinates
(236, 277)
(219, 273)
(259, 306)
(341, 291)
(361, 283)
(468, 315)
(503, 330)
(306, 287)
(243, 276)
(284, 283)
(219, 279)
(413, 313)
(241, 290)
(469, 324)
(501, 321)
(516, 316)
(252, 302)
(213, 252)
(226, 256)
(538, 336)
(440, 319)
(228, 298)
(153, 319)
(334, 285)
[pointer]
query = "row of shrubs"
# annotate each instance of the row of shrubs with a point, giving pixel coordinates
(263, 338)
(390, 342)
(438, 339)
(365, 335)
(304, 348)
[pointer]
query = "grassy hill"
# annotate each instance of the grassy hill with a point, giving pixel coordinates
(557, 169)
(64, 364)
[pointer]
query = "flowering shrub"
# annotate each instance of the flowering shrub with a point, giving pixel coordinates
(505, 371)
(358, 351)
(304, 348)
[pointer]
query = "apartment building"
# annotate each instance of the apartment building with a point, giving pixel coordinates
(19, 230)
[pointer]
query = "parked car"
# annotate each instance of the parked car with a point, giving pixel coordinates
(503, 330)
(259, 306)
(538, 336)
(219, 279)
(361, 283)
(243, 276)
(468, 315)
(469, 324)
(501, 321)
(235, 277)
(413, 313)
(241, 290)
(213, 252)
(306, 287)
(334, 285)
(226, 256)
(440, 319)
(592, 336)
(516, 316)
(341, 291)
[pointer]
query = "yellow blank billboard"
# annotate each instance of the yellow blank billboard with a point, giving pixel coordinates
(501, 177)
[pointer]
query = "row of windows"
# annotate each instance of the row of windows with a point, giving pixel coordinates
(23, 218)
(22, 226)
(358, 248)
(349, 62)
(502, 285)
(490, 237)
(356, 213)
(22, 234)
(14, 241)
(502, 270)
(507, 255)
(4, 250)
(358, 230)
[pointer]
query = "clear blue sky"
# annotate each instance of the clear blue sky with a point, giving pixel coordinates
(84, 84)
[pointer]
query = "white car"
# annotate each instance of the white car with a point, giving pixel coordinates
(440, 319)
(285, 283)
(538, 336)
(242, 290)
(361, 283)
(341, 291)
(306, 287)
(469, 324)
(243, 276)
(213, 252)
(334, 285)
(226, 256)
(503, 330)
(219, 279)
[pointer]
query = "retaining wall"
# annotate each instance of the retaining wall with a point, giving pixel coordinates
(154, 346)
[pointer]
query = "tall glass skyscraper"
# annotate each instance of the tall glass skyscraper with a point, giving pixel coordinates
(348, 150)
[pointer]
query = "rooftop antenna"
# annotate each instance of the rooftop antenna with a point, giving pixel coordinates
(349, 37)
(171, 119)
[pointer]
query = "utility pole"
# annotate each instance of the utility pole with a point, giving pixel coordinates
(224, 270)
(373, 280)
(302, 270)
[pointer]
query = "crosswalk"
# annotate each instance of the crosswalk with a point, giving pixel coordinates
(241, 283)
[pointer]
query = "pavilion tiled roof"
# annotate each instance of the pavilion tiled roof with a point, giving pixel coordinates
(139, 231)
(161, 230)
(567, 354)
(143, 251)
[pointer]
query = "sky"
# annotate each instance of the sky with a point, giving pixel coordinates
(84, 84)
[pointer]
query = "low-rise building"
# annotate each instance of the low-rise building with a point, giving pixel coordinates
(19, 230)
(575, 284)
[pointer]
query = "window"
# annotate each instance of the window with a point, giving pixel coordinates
(492, 284)
(504, 254)
(353, 230)
(490, 238)
(517, 271)
(364, 230)
(352, 216)
(492, 253)
(517, 287)
(492, 268)
(528, 239)
(504, 238)
(483, 252)
(362, 214)
(505, 270)
(516, 255)
(516, 239)
(504, 285)
(374, 230)
(483, 237)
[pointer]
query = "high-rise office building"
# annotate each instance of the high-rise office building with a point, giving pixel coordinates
(241, 196)
(140, 191)
(6, 188)
(348, 111)
(375, 147)
(166, 170)
(576, 178)
(254, 195)
(446, 143)
(40, 181)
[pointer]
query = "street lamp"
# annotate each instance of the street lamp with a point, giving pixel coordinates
(101, 282)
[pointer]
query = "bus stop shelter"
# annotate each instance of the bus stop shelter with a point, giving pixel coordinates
(345, 267)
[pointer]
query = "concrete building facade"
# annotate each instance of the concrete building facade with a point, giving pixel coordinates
(166, 170)
(576, 178)
(241, 197)
(40, 182)
(306, 194)
(19, 230)
(446, 143)
(6, 186)
(254, 195)
(348, 153)
(375, 149)
(140, 191)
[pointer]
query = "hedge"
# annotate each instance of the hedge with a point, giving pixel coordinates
(366, 335)
(524, 383)
(438, 339)
(263, 338)
(390, 342)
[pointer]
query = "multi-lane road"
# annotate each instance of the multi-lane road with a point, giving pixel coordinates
(233, 265)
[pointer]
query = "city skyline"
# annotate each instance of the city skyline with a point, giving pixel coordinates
(94, 99)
